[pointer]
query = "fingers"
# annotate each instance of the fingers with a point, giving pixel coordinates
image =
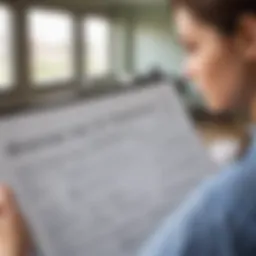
(7, 201)
(14, 235)
(9, 208)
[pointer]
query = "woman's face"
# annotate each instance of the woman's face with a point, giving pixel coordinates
(216, 63)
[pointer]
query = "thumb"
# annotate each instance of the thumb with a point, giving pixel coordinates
(6, 200)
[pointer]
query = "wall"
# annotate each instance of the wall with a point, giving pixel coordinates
(154, 46)
(119, 45)
(148, 41)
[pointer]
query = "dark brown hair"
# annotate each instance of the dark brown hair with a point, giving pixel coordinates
(223, 14)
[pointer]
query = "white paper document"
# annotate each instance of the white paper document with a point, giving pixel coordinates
(95, 178)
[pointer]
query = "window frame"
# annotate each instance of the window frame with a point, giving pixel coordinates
(23, 93)
(85, 76)
(53, 84)
(13, 83)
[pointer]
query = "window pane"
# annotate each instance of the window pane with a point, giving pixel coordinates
(51, 46)
(96, 38)
(6, 65)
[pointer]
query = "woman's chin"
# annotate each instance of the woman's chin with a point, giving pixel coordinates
(218, 108)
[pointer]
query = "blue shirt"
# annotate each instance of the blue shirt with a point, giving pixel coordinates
(218, 220)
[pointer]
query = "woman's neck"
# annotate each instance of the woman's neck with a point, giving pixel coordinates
(249, 121)
(252, 110)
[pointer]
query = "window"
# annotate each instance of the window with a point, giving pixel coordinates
(50, 35)
(6, 60)
(96, 41)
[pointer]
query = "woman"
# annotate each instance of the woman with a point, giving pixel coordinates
(220, 218)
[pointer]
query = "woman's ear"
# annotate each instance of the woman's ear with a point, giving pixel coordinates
(247, 36)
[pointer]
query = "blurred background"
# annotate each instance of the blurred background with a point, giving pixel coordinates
(53, 51)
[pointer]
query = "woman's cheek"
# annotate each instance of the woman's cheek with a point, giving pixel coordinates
(209, 79)
(220, 85)
(205, 73)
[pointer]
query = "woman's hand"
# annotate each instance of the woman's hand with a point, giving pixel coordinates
(14, 239)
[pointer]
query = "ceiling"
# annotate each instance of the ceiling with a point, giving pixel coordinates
(133, 2)
(106, 2)
(87, 5)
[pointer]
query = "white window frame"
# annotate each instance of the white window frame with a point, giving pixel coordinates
(53, 84)
(86, 76)
(10, 86)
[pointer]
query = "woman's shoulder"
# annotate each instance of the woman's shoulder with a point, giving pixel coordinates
(231, 193)
(209, 216)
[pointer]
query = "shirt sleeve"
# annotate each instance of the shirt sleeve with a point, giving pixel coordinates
(199, 228)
